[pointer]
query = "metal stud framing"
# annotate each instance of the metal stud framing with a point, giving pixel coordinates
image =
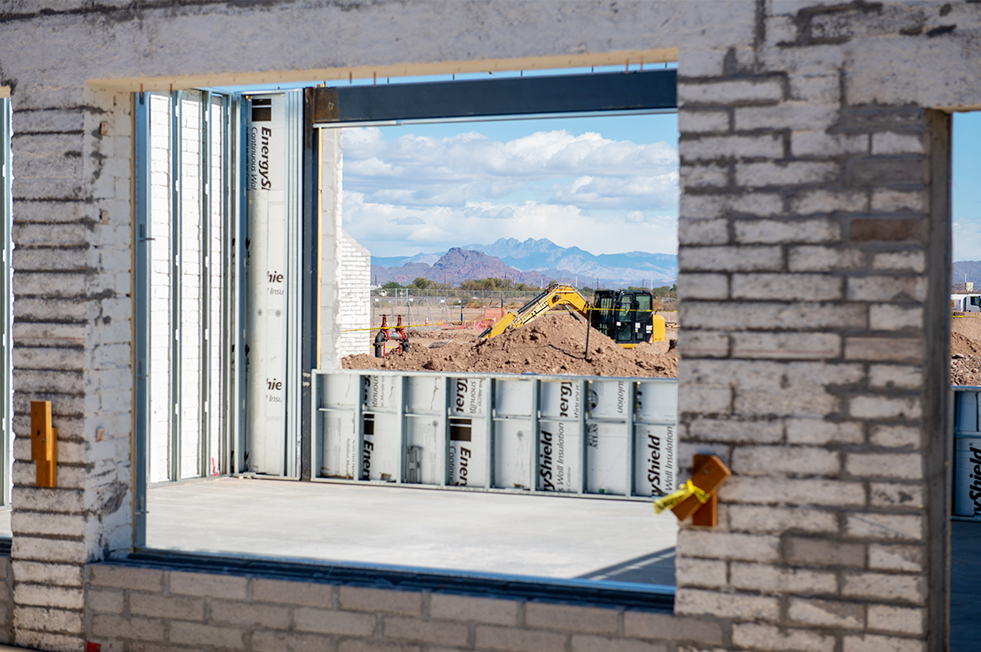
(6, 312)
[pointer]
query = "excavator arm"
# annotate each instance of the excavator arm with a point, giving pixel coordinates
(553, 296)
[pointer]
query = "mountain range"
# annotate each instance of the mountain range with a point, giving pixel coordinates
(534, 260)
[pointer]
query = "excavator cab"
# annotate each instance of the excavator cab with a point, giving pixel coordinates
(626, 317)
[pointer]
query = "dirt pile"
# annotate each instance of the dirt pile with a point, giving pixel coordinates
(965, 349)
(553, 344)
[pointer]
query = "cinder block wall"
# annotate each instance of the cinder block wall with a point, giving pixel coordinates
(814, 244)
(354, 298)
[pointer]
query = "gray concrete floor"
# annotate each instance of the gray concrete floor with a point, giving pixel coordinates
(539, 536)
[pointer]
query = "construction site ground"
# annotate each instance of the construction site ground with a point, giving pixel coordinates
(552, 344)
(965, 349)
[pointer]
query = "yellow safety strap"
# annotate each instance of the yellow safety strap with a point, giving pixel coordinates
(677, 497)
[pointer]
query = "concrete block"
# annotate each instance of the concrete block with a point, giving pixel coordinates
(889, 142)
(735, 606)
(902, 495)
(895, 201)
(786, 346)
(267, 641)
(874, 643)
(793, 491)
(703, 286)
(572, 618)
(883, 586)
(791, 460)
(909, 171)
(169, 607)
(881, 407)
(711, 148)
(703, 176)
(108, 601)
(826, 613)
(706, 400)
(339, 623)
(494, 637)
(896, 557)
(364, 645)
(229, 612)
(643, 624)
(778, 520)
(139, 629)
(821, 89)
(883, 349)
(820, 432)
(206, 635)
(778, 579)
(763, 637)
(888, 230)
(49, 573)
(370, 599)
(758, 204)
(703, 231)
(728, 92)
(829, 201)
(773, 316)
(584, 643)
(203, 584)
(696, 344)
(794, 231)
(734, 430)
(703, 573)
(42, 549)
(900, 261)
(819, 552)
(898, 620)
(712, 121)
(298, 593)
(762, 175)
(892, 466)
(426, 631)
(896, 436)
(892, 317)
(824, 259)
(730, 259)
(444, 606)
(885, 527)
(701, 62)
(818, 143)
(787, 115)
(125, 577)
(792, 287)
(727, 545)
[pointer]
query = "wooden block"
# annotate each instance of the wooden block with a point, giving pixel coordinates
(47, 470)
(40, 426)
(707, 477)
(708, 514)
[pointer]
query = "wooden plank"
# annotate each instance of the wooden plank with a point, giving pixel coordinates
(708, 514)
(707, 477)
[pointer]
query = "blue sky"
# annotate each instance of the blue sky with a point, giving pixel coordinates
(966, 204)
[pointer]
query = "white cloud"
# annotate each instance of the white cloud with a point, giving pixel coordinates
(603, 195)
(966, 239)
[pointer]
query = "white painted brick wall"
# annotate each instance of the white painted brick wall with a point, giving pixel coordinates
(354, 303)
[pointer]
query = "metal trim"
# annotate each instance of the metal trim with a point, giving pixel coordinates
(141, 314)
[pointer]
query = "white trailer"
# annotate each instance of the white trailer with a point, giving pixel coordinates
(965, 302)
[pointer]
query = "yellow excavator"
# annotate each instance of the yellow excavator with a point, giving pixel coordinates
(625, 316)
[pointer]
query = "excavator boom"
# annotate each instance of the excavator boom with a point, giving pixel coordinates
(553, 296)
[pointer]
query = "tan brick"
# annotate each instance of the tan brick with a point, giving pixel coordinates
(301, 593)
(342, 623)
(201, 636)
(151, 604)
(572, 618)
(583, 643)
(737, 606)
(762, 637)
(227, 612)
(443, 606)
(645, 624)
(898, 620)
(426, 631)
(368, 599)
(215, 586)
(493, 637)
(826, 613)
(125, 577)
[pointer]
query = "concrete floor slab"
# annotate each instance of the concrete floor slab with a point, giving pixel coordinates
(538, 536)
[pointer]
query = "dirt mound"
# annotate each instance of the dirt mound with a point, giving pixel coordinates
(553, 344)
(965, 349)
